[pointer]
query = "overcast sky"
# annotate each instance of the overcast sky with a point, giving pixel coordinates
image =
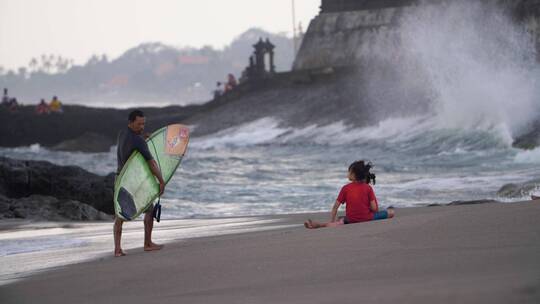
(79, 28)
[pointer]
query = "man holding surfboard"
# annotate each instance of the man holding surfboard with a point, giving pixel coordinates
(129, 141)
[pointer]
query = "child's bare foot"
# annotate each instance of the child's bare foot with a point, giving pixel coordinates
(119, 253)
(308, 224)
(534, 197)
(152, 247)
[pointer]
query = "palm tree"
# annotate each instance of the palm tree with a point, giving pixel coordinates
(33, 64)
(22, 72)
(44, 63)
(61, 64)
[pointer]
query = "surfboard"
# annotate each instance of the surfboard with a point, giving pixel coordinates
(136, 187)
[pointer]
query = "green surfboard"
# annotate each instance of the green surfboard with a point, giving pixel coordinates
(136, 187)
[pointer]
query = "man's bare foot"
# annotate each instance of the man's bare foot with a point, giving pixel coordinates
(119, 253)
(152, 247)
(308, 224)
(534, 197)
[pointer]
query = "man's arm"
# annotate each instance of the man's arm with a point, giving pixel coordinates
(335, 210)
(157, 173)
(142, 147)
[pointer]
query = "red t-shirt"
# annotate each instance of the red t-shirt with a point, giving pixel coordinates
(357, 195)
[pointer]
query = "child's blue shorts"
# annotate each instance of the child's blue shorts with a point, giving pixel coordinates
(380, 215)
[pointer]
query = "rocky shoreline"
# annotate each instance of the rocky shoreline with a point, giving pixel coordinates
(40, 207)
(296, 99)
(42, 190)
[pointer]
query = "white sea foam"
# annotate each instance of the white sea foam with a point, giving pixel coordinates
(18, 246)
(252, 133)
(474, 65)
(420, 133)
(528, 156)
(34, 247)
(480, 64)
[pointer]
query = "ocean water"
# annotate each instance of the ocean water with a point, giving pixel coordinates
(262, 168)
(28, 247)
(470, 81)
(466, 103)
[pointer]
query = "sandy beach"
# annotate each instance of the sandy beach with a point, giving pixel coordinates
(484, 253)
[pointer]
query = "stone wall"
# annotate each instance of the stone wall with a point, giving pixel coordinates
(342, 32)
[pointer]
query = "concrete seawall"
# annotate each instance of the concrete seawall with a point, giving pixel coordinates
(344, 30)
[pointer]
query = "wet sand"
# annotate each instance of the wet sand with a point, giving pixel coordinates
(488, 253)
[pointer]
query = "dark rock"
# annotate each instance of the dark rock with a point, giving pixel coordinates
(39, 207)
(484, 201)
(530, 139)
(519, 190)
(88, 142)
(20, 178)
(66, 130)
(4, 205)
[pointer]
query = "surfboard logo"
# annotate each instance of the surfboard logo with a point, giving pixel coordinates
(174, 142)
(184, 133)
(176, 139)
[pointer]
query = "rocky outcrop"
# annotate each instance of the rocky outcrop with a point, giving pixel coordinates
(460, 203)
(519, 190)
(88, 142)
(79, 128)
(39, 207)
(22, 178)
(530, 139)
(344, 32)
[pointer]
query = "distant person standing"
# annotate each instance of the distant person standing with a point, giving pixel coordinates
(10, 103)
(56, 105)
(130, 140)
(5, 98)
(218, 91)
(13, 105)
(42, 107)
(231, 82)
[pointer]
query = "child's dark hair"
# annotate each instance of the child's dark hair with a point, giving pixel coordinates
(361, 171)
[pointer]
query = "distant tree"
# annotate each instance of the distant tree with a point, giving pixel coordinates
(207, 50)
(33, 64)
(59, 64)
(43, 58)
(22, 71)
(62, 64)
(93, 60)
(11, 74)
(47, 63)
(2, 70)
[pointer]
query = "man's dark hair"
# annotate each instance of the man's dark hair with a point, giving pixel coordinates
(134, 114)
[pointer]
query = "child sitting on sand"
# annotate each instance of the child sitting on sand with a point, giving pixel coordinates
(359, 197)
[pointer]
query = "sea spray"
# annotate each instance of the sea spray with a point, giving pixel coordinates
(465, 63)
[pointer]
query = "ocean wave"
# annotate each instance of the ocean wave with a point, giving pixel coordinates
(417, 134)
(252, 133)
(528, 156)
